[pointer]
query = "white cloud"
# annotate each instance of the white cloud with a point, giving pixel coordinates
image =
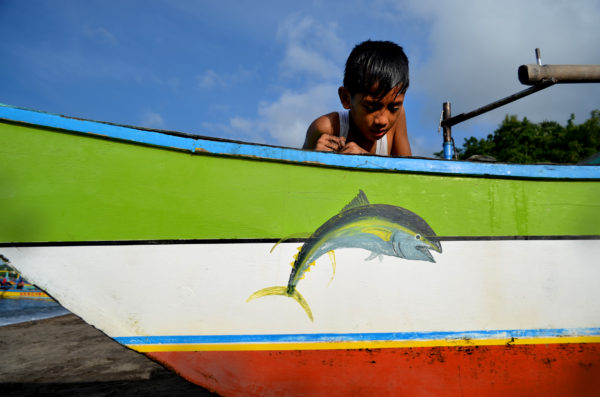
(302, 60)
(314, 54)
(476, 48)
(284, 121)
(152, 120)
(101, 35)
(287, 119)
(237, 128)
(211, 79)
(312, 49)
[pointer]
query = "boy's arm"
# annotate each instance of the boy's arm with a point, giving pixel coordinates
(323, 136)
(400, 143)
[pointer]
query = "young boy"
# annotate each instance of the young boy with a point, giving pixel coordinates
(375, 81)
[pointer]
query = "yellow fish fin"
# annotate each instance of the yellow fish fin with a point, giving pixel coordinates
(291, 236)
(333, 265)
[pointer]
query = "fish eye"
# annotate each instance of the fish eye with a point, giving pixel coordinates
(418, 236)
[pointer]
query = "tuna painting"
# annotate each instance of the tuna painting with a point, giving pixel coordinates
(380, 229)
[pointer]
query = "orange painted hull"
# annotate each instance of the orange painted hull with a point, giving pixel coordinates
(513, 370)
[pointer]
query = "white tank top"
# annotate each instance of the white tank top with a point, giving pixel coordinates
(382, 147)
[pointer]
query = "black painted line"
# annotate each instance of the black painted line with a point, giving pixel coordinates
(273, 241)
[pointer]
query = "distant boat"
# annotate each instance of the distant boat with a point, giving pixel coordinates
(482, 278)
(13, 286)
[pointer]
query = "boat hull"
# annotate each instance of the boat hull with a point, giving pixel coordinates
(513, 370)
(504, 324)
(163, 241)
(15, 293)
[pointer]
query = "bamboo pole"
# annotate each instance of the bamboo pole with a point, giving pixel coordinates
(533, 74)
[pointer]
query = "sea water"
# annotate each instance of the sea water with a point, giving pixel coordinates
(13, 311)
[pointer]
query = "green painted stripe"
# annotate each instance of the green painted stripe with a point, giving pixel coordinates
(66, 187)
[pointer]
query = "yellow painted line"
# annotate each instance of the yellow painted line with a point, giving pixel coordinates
(31, 295)
(359, 345)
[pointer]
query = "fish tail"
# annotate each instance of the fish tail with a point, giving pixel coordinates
(300, 299)
(283, 291)
(268, 291)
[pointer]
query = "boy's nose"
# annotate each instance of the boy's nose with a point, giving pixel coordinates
(381, 119)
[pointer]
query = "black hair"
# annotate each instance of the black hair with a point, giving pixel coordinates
(380, 63)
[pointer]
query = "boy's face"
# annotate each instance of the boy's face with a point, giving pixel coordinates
(374, 117)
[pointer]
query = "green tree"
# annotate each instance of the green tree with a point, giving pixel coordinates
(525, 142)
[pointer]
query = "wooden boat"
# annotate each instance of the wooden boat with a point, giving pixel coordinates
(481, 279)
(25, 293)
(12, 286)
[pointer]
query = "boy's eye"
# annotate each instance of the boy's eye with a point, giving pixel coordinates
(372, 106)
(395, 108)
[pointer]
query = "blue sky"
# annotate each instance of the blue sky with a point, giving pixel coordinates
(262, 72)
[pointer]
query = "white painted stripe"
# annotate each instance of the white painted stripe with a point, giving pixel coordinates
(201, 289)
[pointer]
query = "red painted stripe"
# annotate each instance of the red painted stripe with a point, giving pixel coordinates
(514, 370)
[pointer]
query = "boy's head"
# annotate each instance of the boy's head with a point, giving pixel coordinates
(375, 81)
(376, 67)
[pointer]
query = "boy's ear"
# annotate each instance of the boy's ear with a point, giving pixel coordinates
(345, 97)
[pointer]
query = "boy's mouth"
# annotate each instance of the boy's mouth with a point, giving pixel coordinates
(379, 133)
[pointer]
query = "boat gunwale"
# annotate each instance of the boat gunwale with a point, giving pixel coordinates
(201, 145)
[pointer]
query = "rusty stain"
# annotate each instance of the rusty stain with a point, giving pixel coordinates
(436, 354)
(466, 349)
(200, 150)
(208, 376)
(586, 366)
(313, 163)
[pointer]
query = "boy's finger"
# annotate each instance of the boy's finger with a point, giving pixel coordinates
(329, 142)
(338, 142)
(325, 143)
(352, 148)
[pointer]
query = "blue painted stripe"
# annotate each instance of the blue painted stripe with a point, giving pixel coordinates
(95, 128)
(230, 148)
(365, 337)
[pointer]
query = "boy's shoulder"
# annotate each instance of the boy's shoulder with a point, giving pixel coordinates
(326, 124)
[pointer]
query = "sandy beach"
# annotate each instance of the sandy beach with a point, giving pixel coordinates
(66, 356)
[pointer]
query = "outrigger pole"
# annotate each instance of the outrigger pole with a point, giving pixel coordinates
(538, 76)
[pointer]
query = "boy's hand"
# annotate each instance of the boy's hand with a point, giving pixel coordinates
(352, 148)
(330, 143)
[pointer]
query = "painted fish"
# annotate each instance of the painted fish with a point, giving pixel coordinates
(379, 228)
